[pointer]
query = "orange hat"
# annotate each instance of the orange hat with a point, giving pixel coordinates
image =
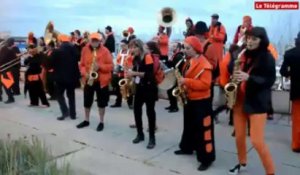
(96, 36)
(130, 30)
(247, 18)
(195, 43)
(63, 38)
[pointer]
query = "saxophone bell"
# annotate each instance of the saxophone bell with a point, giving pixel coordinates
(176, 92)
(123, 82)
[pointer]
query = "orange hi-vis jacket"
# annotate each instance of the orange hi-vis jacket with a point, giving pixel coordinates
(273, 51)
(216, 37)
(163, 42)
(125, 59)
(197, 78)
(104, 61)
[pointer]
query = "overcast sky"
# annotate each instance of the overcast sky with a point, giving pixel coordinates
(21, 16)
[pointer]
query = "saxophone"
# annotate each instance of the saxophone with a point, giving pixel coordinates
(231, 88)
(179, 91)
(126, 85)
(93, 74)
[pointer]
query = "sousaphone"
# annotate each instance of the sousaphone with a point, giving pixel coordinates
(167, 18)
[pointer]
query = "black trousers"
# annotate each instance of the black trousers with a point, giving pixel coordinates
(61, 88)
(148, 97)
(16, 85)
(198, 130)
(172, 99)
(51, 85)
(36, 92)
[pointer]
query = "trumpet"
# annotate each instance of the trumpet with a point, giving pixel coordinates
(93, 74)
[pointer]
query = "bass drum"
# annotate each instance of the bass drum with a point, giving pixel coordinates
(169, 80)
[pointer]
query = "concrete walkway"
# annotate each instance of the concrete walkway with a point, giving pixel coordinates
(111, 152)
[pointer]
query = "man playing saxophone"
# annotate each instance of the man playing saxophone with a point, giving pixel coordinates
(198, 133)
(96, 67)
(124, 61)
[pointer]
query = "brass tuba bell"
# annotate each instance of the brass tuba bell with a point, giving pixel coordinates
(167, 17)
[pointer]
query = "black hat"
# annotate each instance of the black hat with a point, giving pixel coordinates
(216, 16)
(261, 33)
(200, 28)
(108, 28)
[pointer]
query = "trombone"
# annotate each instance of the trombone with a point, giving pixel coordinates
(12, 63)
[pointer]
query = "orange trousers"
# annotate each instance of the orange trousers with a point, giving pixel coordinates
(295, 124)
(257, 133)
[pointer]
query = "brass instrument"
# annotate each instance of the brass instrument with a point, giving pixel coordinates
(126, 86)
(50, 33)
(179, 91)
(93, 74)
(12, 63)
(231, 88)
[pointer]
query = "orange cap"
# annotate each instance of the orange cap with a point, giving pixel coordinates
(195, 43)
(96, 36)
(63, 38)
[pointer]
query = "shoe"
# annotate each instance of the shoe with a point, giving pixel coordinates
(138, 139)
(237, 169)
(233, 134)
(100, 127)
(168, 108)
(61, 118)
(171, 110)
(83, 124)
(132, 126)
(73, 117)
(296, 150)
(45, 106)
(204, 167)
(270, 117)
(9, 101)
(181, 152)
(115, 106)
(151, 144)
(130, 106)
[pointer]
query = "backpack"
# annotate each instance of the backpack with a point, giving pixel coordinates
(158, 69)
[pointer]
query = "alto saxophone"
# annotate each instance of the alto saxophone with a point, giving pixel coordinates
(93, 74)
(231, 88)
(179, 91)
(126, 85)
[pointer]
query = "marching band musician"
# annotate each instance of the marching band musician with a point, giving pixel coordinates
(162, 40)
(96, 55)
(50, 84)
(146, 90)
(131, 34)
(189, 28)
(256, 74)
(242, 29)
(198, 132)
(290, 68)
(217, 36)
(33, 78)
(124, 60)
(64, 62)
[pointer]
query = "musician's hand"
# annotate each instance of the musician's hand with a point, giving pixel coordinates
(181, 81)
(241, 76)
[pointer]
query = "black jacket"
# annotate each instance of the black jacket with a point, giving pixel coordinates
(64, 62)
(34, 64)
(291, 68)
(258, 86)
(110, 43)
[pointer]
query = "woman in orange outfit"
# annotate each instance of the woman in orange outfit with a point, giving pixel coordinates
(256, 76)
(198, 132)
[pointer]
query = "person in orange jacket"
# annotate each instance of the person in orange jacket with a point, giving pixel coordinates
(256, 75)
(198, 132)
(124, 60)
(104, 67)
(162, 40)
(217, 36)
(241, 30)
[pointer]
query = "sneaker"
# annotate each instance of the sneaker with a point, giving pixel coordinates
(83, 124)
(171, 110)
(237, 169)
(100, 127)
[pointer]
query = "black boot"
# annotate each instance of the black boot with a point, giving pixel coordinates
(204, 166)
(181, 152)
(83, 124)
(139, 138)
(151, 143)
(100, 127)
(9, 101)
